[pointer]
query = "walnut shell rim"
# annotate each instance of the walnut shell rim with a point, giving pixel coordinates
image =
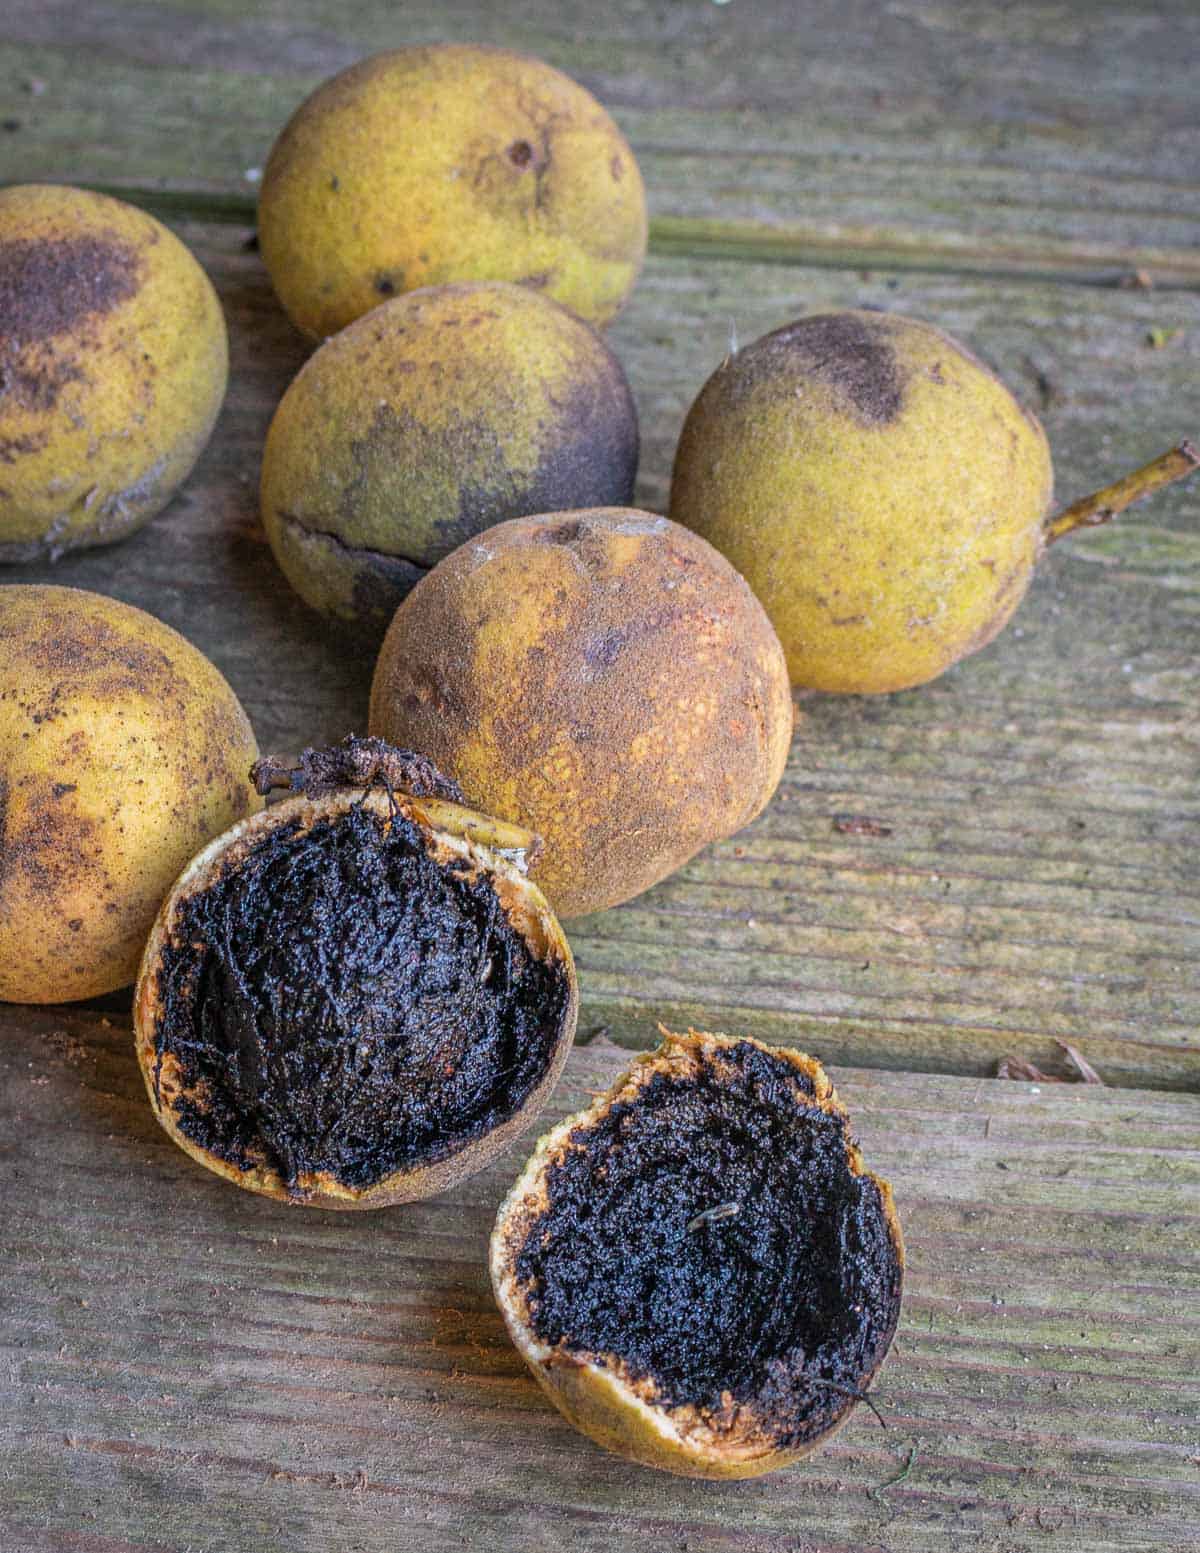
(600, 1399)
(450, 832)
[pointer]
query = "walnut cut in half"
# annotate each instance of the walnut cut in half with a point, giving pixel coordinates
(356, 997)
(699, 1269)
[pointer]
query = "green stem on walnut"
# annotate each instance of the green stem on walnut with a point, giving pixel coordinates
(1090, 511)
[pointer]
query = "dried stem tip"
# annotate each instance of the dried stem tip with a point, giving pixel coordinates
(1091, 511)
(355, 762)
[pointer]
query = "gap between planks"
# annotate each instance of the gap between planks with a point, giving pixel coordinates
(1168, 270)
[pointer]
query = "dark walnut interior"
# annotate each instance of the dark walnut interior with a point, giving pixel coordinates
(339, 1002)
(787, 1304)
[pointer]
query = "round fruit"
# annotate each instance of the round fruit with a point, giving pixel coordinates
(355, 998)
(699, 1269)
(440, 413)
(881, 491)
(605, 678)
(113, 363)
(122, 750)
(449, 163)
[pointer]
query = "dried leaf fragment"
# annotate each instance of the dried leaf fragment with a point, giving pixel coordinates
(1022, 1069)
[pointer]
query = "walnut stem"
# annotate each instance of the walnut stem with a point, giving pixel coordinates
(1090, 511)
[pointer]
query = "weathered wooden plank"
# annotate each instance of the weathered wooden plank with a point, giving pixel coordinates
(1038, 878)
(185, 1367)
(1061, 138)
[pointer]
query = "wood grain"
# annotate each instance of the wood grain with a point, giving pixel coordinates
(1038, 879)
(1047, 138)
(185, 1367)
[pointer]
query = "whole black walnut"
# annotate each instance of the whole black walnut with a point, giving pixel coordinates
(439, 414)
(453, 162)
(882, 492)
(604, 678)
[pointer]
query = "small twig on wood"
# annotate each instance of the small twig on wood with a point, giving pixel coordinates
(848, 1391)
(1020, 1068)
(1027, 1072)
(1087, 1073)
(1090, 511)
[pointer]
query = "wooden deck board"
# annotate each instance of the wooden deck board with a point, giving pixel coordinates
(1061, 139)
(185, 1366)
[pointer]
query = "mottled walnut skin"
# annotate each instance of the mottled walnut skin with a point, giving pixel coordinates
(456, 162)
(604, 678)
(440, 414)
(113, 363)
(122, 752)
(878, 487)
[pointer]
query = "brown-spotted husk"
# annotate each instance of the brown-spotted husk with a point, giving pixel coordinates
(605, 678)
